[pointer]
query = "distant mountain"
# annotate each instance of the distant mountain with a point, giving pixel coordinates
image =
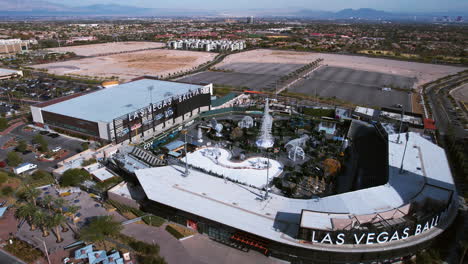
(43, 8)
(367, 13)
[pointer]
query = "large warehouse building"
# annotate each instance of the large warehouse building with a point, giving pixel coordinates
(129, 111)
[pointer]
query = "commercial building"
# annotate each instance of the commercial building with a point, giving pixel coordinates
(13, 46)
(377, 224)
(130, 111)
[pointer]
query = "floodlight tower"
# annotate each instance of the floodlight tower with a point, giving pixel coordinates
(186, 172)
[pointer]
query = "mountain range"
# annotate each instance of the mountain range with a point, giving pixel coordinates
(44, 8)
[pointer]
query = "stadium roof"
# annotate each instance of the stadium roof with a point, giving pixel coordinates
(107, 104)
(426, 175)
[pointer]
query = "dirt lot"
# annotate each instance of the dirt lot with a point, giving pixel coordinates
(423, 72)
(461, 93)
(130, 65)
(105, 48)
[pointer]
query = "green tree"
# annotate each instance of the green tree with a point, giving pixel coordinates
(42, 220)
(47, 201)
(31, 195)
(40, 174)
(3, 123)
(59, 204)
(55, 221)
(85, 146)
(43, 145)
(74, 177)
(13, 159)
(100, 228)
(22, 146)
(27, 212)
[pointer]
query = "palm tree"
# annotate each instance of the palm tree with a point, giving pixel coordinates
(55, 221)
(59, 204)
(41, 219)
(27, 211)
(73, 209)
(47, 201)
(32, 194)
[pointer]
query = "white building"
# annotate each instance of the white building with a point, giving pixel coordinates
(207, 45)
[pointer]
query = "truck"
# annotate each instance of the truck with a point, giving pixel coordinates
(24, 167)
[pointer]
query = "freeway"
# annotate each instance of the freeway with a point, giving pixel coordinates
(6, 258)
(443, 112)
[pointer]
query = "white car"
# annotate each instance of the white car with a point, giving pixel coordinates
(56, 149)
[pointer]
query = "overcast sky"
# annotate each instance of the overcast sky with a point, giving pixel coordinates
(329, 5)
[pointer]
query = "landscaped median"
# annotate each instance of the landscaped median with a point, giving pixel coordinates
(178, 231)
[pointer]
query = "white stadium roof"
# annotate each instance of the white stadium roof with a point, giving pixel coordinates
(107, 104)
(426, 175)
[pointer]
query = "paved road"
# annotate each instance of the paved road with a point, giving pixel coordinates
(6, 258)
(442, 109)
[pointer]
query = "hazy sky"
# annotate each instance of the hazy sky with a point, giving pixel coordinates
(332, 5)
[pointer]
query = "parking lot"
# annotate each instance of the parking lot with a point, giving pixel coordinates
(277, 69)
(357, 87)
(72, 145)
(252, 81)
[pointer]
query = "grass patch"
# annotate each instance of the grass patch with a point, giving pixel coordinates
(153, 220)
(179, 231)
(174, 232)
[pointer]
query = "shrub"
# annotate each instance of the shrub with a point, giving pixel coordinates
(144, 248)
(13, 159)
(7, 190)
(88, 162)
(3, 123)
(40, 174)
(3, 177)
(174, 232)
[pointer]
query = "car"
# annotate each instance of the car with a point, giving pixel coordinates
(44, 132)
(26, 152)
(56, 149)
(54, 135)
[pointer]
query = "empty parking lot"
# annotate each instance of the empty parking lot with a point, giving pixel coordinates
(252, 81)
(358, 87)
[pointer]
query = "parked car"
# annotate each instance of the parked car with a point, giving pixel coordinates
(56, 149)
(54, 135)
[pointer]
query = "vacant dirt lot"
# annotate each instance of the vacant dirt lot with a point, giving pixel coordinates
(423, 72)
(106, 48)
(460, 93)
(126, 66)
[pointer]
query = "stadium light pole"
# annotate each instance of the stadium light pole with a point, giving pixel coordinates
(186, 173)
(404, 152)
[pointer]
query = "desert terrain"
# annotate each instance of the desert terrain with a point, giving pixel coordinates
(111, 47)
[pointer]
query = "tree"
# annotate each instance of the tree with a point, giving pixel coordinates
(43, 145)
(42, 220)
(74, 177)
(100, 228)
(47, 201)
(85, 146)
(55, 221)
(31, 195)
(13, 159)
(59, 204)
(3, 123)
(27, 212)
(22, 146)
(40, 174)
